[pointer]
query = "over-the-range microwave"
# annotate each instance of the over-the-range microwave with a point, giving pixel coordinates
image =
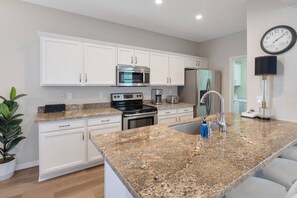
(132, 76)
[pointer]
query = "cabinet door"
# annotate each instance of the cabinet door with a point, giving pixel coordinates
(93, 153)
(142, 58)
(202, 63)
(126, 56)
(186, 116)
(61, 150)
(191, 63)
(61, 62)
(166, 119)
(159, 69)
(100, 65)
(176, 70)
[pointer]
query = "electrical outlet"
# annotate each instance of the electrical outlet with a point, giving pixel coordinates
(259, 100)
(69, 96)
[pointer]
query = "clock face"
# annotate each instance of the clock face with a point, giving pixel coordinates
(278, 40)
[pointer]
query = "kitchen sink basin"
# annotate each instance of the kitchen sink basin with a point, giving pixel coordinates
(193, 128)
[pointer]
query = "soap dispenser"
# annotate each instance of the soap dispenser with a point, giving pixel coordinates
(204, 129)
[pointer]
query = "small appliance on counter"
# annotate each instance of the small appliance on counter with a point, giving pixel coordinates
(172, 99)
(157, 96)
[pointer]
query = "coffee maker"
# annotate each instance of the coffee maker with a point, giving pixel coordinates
(157, 96)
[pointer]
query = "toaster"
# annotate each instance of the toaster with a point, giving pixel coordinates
(172, 99)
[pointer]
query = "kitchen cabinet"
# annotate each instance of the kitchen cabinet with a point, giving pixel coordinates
(99, 65)
(66, 146)
(159, 69)
(109, 126)
(175, 114)
(167, 70)
(72, 63)
(133, 57)
(113, 186)
(237, 75)
(196, 63)
(176, 71)
(61, 62)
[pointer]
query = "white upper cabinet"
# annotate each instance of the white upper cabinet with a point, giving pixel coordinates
(125, 56)
(159, 69)
(61, 62)
(176, 72)
(100, 65)
(142, 58)
(196, 63)
(133, 57)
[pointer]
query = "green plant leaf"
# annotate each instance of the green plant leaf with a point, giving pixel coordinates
(4, 110)
(13, 109)
(12, 93)
(19, 96)
(15, 123)
(2, 98)
(16, 116)
(14, 142)
(14, 133)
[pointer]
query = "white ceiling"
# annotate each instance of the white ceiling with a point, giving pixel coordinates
(174, 17)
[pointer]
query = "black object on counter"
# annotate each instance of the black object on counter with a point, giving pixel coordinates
(54, 108)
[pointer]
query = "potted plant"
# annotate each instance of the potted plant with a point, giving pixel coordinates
(10, 133)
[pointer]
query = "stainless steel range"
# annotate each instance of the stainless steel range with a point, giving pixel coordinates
(135, 113)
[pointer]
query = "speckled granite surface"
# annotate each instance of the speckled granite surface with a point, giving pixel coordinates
(80, 113)
(158, 161)
(165, 105)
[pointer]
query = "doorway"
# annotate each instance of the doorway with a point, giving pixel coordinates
(238, 84)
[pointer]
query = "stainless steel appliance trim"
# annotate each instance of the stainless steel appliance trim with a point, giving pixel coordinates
(126, 119)
(140, 114)
(120, 96)
(132, 69)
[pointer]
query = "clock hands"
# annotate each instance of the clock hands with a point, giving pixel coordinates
(280, 37)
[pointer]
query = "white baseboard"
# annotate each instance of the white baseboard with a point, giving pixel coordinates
(27, 165)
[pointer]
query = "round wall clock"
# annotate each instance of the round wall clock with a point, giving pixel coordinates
(278, 39)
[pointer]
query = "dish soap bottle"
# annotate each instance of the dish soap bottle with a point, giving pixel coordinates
(204, 129)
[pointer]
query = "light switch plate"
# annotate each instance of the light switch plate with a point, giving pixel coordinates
(259, 100)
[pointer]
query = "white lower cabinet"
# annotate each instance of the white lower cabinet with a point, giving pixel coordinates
(175, 114)
(65, 146)
(93, 153)
(113, 186)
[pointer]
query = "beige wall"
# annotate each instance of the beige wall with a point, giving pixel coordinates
(19, 59)
(282, 91)
(219, 51)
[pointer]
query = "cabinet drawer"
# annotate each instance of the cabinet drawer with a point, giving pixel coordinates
(167, 119)
(104, 120)
(185, 109)
(166, 112)
(61, 125)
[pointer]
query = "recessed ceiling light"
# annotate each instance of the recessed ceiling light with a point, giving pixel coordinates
(158, 2)
(199, 16)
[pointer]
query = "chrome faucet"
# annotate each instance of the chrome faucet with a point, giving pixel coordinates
(220, 116)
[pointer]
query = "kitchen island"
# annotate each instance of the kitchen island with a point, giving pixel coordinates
(158, 161)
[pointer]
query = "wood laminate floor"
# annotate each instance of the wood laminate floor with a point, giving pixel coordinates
(88, 183)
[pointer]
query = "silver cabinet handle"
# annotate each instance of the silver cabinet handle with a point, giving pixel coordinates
(105, 120)
(89, 135)
(79, 77)
(167, 79)
(63, 126)
(83, 136)
(131, 59)
(135, 60)
(86, 76)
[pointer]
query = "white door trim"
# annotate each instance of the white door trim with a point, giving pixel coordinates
(231, 88)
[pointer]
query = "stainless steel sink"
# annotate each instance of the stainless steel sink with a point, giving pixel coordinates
(193, 128)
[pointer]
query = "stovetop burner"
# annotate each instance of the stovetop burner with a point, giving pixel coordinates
(131, 103)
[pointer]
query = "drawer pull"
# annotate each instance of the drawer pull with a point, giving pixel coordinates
(89, 135)
(167, 112)
(186, 110)
(105, 120)
(66, 125)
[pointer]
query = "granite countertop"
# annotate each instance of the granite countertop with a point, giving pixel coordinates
(157, 161)
(165, 105)
(74, 114)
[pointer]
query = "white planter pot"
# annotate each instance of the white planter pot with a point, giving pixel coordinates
(7, 170)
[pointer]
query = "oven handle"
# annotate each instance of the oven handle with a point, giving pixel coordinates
(140, 114)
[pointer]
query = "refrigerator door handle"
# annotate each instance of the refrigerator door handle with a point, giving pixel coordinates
(208, 101)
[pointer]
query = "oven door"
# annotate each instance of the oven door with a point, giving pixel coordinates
(139, 120)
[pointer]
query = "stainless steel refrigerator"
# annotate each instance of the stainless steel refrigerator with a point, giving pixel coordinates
(197, 83)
